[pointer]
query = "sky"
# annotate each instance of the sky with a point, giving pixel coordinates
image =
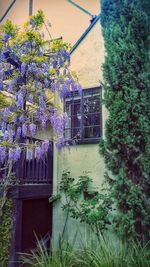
(66, 20)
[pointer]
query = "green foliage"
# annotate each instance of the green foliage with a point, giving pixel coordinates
(59, 44)
(115, 254)
(9, 28)
(63, 256)
(38, 18)
(106, 253)
(5, 232)
(3, 101)
(83, 202)
(126, 147)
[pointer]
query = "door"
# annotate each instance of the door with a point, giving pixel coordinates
(36, 223)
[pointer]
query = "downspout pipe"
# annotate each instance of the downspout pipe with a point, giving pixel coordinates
(7, 10)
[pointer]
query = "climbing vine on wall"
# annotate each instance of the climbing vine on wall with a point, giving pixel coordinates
(5, 232)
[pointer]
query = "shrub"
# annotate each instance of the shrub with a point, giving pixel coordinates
(5, 232)
(126, 148)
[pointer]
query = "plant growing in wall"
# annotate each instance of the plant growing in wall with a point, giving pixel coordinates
(126, 147)
(32, 72)
(83, 202)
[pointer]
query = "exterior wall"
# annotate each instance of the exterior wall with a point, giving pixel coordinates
(66, 20)
(86, 61)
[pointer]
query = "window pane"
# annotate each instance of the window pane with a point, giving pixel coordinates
(76, 120)
(68, 108)
(92, 119)
(76, 133)
(67, 134)
(68, 123)
(91, 132)
(84, 121)
(76, 107)
(91, 104)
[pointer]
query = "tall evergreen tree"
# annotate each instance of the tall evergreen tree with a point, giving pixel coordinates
(126, 147)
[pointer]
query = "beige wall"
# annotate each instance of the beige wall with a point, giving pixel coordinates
(66, 20)
(86, 61)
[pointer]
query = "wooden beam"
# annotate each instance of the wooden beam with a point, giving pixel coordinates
(30, 7)
(31, 191)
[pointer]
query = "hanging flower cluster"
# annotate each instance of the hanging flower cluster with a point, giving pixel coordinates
(29, 70)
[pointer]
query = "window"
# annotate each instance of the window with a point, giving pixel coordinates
(85, 116)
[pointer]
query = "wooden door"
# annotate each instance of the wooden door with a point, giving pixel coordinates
(36, 223)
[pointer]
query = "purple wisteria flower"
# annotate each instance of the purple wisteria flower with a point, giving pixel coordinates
(24, 130)
(11, 135)
(22, 118)
(32, 128)
(20, 101)
(46, 82)
(9, 127)
(1, 85)
(11, 108)
(30, 98)
(17, 153)
(74, 87)
(6, 113)
(10, 87)
(34, 68)
(45, 146)
(1, 74)
(54, 64)
(65, 91)
(60, 143)
(32, 22)
(42, 102)
(16, 119)
(58, 123)
(2, 154)
(43, 121)
(53, 87)
(29, 154)
(38, 153)
(3, 127)
(19, 131)
(6, 37)
(6, 136)
(24, 67)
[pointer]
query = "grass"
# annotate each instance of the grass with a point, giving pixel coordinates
(105, 254)
(63, 256)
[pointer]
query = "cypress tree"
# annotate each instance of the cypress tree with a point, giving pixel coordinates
(126, 146)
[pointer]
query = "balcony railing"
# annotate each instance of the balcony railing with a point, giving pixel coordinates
(31, 172)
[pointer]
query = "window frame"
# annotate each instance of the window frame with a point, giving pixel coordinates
(72, 94)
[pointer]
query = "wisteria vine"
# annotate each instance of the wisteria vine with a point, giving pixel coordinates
(30, 69)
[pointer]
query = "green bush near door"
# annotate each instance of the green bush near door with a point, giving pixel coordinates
(5, 232)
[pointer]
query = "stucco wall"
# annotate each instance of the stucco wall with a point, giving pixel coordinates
(86, 61)
(66, 20)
